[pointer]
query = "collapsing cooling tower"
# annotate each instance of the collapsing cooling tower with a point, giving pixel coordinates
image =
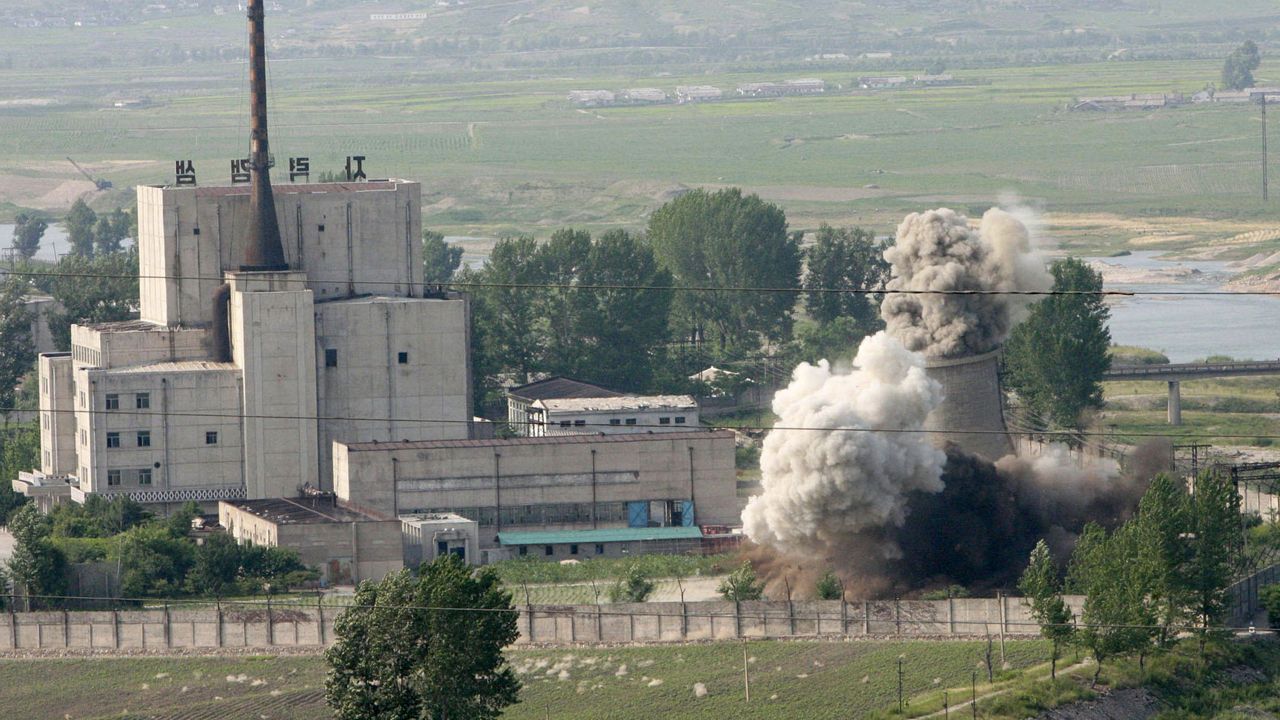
(971, 415)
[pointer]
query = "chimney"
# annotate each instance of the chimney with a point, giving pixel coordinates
(263, 251)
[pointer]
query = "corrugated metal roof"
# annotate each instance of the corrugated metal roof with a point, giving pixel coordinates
(551, 440)
(560, 387)
(624, 402)
(559, 537)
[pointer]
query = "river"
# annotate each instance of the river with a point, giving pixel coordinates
(1187, 328)
(52, 246)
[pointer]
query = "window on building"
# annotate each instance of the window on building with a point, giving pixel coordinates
(679, 419)
(549, 550)
(48, 459)
(402, 358)
(331, 357)
(615, 421)
(664, 421)
(144, 438)
(84, 438)
(524, 549)
(113, 402)
(44, 386)
(599, 548)
(579, 423)
(211, 437)
(142, 401)
(566, 423)
(44, 420)
(113, 439)
(573, 549)
(81, 398)
(144, 476)
(113, 477)
(631, 421)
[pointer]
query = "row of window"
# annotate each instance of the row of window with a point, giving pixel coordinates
(141, 401)
(142, 438)
(680, 420)
(543, 514)
(550, 550)
(331, 358)
(142, 475)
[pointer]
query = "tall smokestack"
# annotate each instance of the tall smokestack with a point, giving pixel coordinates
(263, 251)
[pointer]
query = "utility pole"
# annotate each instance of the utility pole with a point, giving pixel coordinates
(746, 678)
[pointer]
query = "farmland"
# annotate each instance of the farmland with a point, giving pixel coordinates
(788, 679)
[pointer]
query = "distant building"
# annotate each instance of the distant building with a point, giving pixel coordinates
(804, 86)
(427, 536)
(697, 93)
(41, 307)
(876, 56)
(879, 82)
(591, 98)
(1133, 101)
(612, 415)
(645, 95)
(927, 80)
(520, 399)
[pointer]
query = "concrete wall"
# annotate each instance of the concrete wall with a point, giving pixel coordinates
(349, 238)
(370, 393)
(293, 625)
(57, 423)
(348, 552)
(443, 476)
(273, 341)
(121, 344)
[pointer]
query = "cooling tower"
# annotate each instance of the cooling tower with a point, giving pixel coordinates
(970, 415)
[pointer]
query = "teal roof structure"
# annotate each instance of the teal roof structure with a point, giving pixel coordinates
(606, 535)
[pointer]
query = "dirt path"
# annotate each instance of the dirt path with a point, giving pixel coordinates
(992, 693)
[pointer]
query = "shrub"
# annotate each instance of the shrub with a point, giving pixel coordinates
(1270, 598)
(829, 587)
(742, 584)
(635, 586)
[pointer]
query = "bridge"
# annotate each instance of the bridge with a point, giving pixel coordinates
(1175, 373)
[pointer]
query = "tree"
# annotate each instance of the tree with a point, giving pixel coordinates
(428, 646)
(1237, 71)
(36, 565)
(1163, 515)
(80, 223)
(17, 350)
(93, 290)
(1041, 586)
(845, 259)
(152, 561)
(1113, 620)
(1055, 359)
(559, 264)
(633, 587)
(510, 305)
(28, 229)
(21, 452)
(440, 260)
(741, 584)
(110, 230)
(714, 242)
(829, 587)
(1217, 547)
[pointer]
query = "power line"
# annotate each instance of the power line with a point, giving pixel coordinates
(708, 428)
(673, 288)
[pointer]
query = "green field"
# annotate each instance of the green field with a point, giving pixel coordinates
(1228, 411)
(788, 680)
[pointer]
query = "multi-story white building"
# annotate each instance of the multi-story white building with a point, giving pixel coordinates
(613, 415)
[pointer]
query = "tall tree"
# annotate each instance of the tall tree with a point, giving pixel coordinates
(845, 259)
(623, 327)
(36, 565)
(21, 452)
(80, 223)
(28, 229)
(17, 350)
(101, 289)
(1055, 359)
(1217, 549)
(1113, 615)
(1164, 518)
(426, 646)
(506, 287)
(440, 260)
(110, 231)
(1237, 71)
(1041, 586)
(559, 263)
(713, 241)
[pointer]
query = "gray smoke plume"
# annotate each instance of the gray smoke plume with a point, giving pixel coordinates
(824, 488)
(938, 250)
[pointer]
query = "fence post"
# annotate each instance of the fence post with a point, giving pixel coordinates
(866, 617)
(599, 623)
(320, 619)
(271, 630)
(13, 623)
(66, 629)
(897, 617)
(1004, 621)
(737, 619)
(115, 627)
(218, 634)
(844, 615)
(573, 625)
(168, 633)
(684, 621)
(951, 613)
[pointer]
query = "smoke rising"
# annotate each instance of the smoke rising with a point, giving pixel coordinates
(938, 250)
(825, 489)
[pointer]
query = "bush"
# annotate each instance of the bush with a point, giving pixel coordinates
(1132, 355)
(1270, 598)
(829, 587)
(635, 587)
(742, 584)
(746, 458)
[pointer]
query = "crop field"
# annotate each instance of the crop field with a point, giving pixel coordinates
(788, 680)
(499, 155)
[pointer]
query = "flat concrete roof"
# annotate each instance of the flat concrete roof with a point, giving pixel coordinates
(173, 367)
(560, 537)
(560, 387)
(623, 402)
(583, 439)
(291, 511)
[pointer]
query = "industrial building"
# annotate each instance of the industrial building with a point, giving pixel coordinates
(612, 415)
(274, 322)
(520, 399)
(569, 483)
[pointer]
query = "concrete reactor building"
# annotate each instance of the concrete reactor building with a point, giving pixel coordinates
(971, 414)
(274, 322)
